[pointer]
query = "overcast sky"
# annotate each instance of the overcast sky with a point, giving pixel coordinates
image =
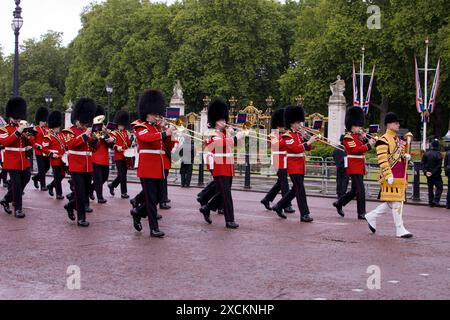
(43, 15)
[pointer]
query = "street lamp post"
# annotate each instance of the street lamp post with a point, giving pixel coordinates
(16, 24)
(109, 91)
(48, 100)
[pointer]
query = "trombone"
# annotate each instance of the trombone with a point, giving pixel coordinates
(178, 124)
(312, 132)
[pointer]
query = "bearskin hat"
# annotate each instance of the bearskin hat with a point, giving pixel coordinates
(293, 114)
(54, 119)
(41, 114)
(151, 102)
(100, 111)
(277, 119)
(122, 118)
(16, 108)
(435, 144)
(390, 118)
(354, 117)
(84, 111)
(217, 110)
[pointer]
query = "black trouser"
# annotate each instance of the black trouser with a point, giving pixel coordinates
(3, 174)
(43, 167)
(342, 180)
(207, 193)
(58, 176)
(19, 180)
(298, 191)
(101, 174)
(282, 185)
(435, 198)
(357, 190)
(164, 195)
(186, 174)
(448, 192)
(152, 190)
(223, 187)
(81, 182)
(121, 178)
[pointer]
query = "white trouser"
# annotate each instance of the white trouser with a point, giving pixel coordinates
(395, 208)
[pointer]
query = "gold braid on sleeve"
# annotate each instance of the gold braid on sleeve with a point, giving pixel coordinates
(383, 161)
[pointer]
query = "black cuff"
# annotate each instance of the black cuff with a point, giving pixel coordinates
(18, 134)
(163, 135)
(50, 155)
(369, 147)
(85, 137)
(235, 140)
(307, 148)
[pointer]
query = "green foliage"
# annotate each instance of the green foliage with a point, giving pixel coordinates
(321, 150)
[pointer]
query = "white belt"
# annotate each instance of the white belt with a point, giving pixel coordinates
(279, 152)
(16, 149)
(296, 155)
(355, 157)
(148, 151)
(223, 155)
(54, 151)
(80, 153)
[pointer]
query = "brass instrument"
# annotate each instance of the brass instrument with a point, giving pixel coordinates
(311, 132)
(179, 125)
(97, 128)
(28, 130)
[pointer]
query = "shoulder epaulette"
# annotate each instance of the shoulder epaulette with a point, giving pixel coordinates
(68, 131)
(348, 136)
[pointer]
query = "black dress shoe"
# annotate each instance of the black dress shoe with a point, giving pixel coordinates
(70, 196)
(69, 213)
(306, 218)
(339, 209)
(83, 224)
(50, 190)
(136, 220)
(88, 210)
(19, 214)
(35, 182)
(232, 225)
(91, 196)
(101, 201)
(111, 189)
(372, 228)
(266, 204)
(362, 216)
(156, 233)
(279, 212)
(125, 196)
(221, 211)
(206, 214)
(59, 197)
(407, 236)
(164, 206)
(6, 206)
(289, 210)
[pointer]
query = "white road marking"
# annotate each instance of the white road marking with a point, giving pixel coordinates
(393, 281)
(357, 290)
(424, 274)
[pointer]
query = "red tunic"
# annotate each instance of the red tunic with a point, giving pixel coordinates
(14, 157)
(54, 144)
(39, 138)
(355, 150)
(122, 140)
(100, 155)
(151, 150)
(279, 151)
(221, 146)
(80, 151)
(295, 147)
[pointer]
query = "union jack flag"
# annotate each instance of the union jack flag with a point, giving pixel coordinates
(419, 98)
(356, 100)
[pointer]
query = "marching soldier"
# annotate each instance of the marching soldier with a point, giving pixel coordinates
(43, 162)
(221, 144)
(151, 141)
(432, 168)
(279, 161)
(102, 141)
(356, 145)
(341, 170)
(296, 145)
(53, 146)
(168, 146)
(123, 142)
(392, 158)
(79, 142)
(16, 142)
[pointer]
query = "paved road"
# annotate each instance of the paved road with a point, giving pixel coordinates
(267, 258)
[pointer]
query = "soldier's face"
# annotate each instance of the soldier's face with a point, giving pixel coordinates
(296, 126)
(221, 124)
(14, 121)
(394, 126)
(121, 127)
(356, 129)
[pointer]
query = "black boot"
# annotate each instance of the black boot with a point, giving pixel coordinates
(306, 218)
(125, 196)
(101, 201)
(83, 223)
(59, 197)
(19, 214)
(50, 190)
(156, 233)
(69, 212)
(206, 214)
(279, 212)
(89, 210)
(266, 203)
(6, 206)
(362, 216)
(289, 210)
(164, 206)
(111, 189)
(136, 220)
(232, 225)
(35, 182)
(338, 208)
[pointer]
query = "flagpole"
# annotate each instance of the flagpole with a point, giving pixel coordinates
(362, 79)
(424, 141)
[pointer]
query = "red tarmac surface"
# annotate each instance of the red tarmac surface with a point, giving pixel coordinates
(266, 258)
